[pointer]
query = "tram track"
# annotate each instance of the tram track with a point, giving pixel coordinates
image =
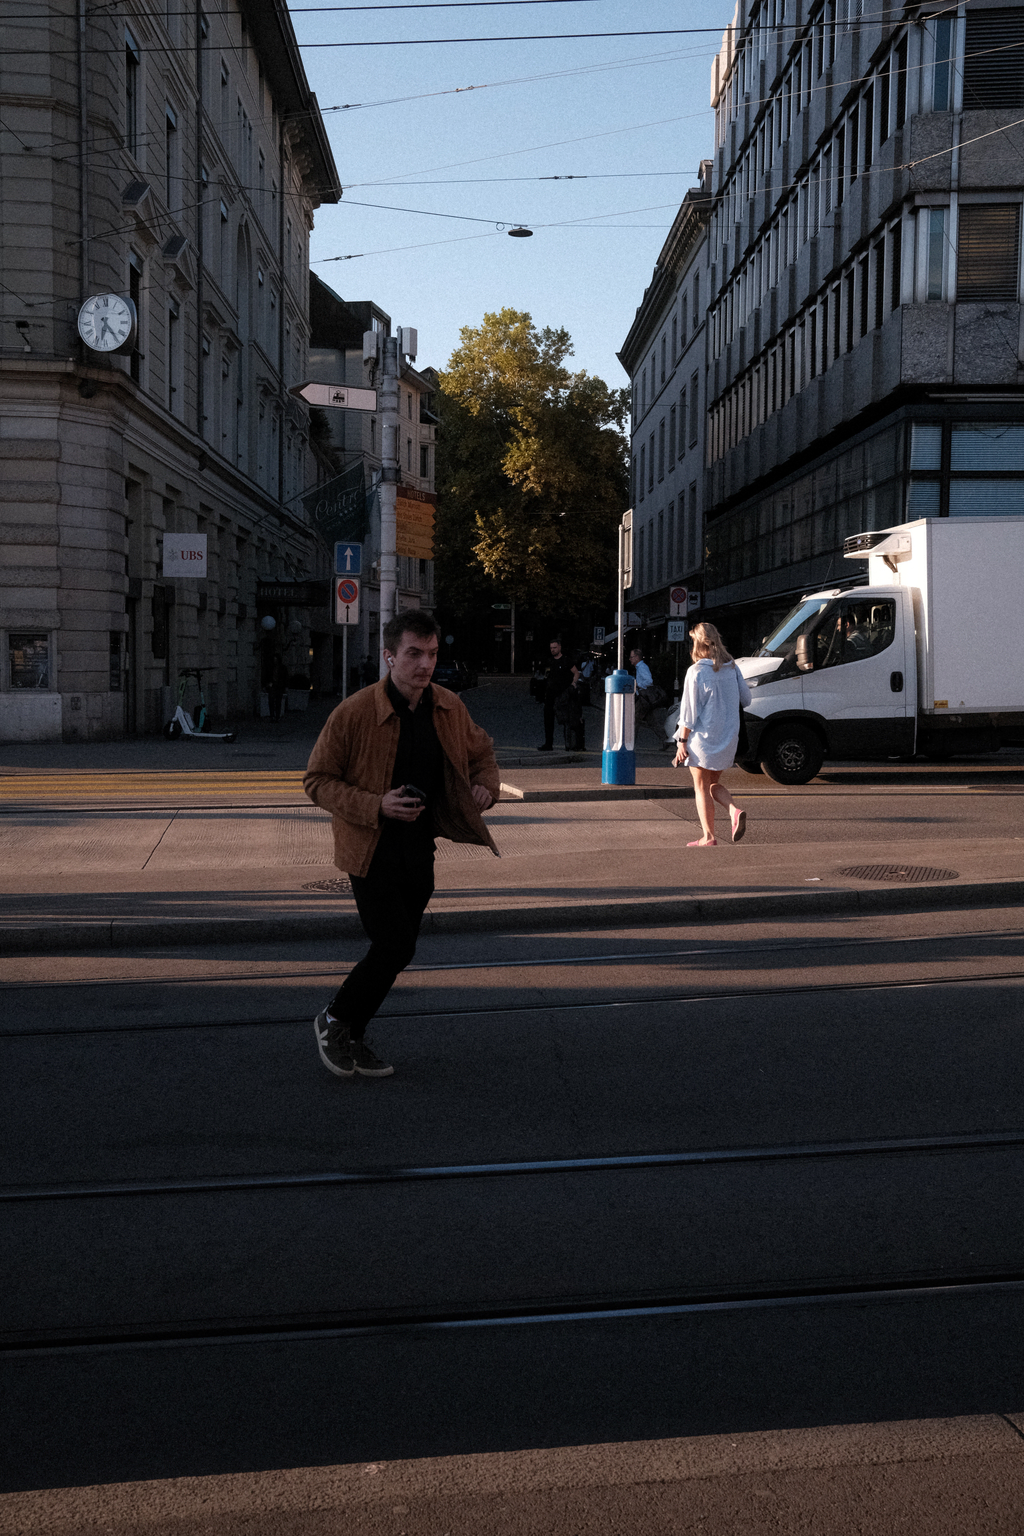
(646, 1000)
(410, 1174)
(322, 1326)
(326, 969)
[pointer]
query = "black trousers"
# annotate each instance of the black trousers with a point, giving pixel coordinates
(390, 899)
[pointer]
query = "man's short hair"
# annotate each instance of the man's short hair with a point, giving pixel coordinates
(415, 621)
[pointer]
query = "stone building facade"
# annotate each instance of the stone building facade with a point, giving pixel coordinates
(664, 355)
(865, 329)
(173, 159)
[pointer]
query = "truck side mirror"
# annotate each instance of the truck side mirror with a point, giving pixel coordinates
(805, 653)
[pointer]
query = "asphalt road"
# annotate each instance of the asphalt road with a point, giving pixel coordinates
(622, 1186)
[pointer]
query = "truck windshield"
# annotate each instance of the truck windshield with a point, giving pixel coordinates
(782, 640)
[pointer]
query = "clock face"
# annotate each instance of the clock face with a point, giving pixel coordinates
(106, 323)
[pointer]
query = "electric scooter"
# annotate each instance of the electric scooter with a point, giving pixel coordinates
(196, 724)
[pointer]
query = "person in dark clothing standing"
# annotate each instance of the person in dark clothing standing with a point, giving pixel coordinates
(396, 765)
(561, 674)
(277, 686)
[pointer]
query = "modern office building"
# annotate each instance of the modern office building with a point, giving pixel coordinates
(664, 355)
(164, 164)
(865, 343)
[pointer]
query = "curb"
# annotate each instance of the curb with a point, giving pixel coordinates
(512, 794)
(128, 933)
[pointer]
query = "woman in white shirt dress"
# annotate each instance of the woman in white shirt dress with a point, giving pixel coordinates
(709, 729)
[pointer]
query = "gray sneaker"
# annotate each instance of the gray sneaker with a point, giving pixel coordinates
(366, 1063)
(335, 1046)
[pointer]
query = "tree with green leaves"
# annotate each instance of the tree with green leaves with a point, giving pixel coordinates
(532, 473)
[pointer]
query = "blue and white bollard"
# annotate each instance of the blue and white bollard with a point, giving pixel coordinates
(618, 761)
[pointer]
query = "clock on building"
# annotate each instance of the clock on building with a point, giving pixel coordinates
(108, 323)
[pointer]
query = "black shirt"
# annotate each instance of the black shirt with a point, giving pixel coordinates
(420, 761)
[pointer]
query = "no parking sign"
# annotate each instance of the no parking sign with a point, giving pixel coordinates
(346, 601)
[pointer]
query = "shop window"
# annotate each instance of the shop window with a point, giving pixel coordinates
(926, 445)
(994, 59)
(29, 659)
(987, 446)
(988, 252)
(986, 498)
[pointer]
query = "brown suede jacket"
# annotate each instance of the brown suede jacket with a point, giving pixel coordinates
(350, 768)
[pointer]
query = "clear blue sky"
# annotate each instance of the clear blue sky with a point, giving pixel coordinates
(602, 109)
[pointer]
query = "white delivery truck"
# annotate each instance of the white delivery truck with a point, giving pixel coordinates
(928, 657)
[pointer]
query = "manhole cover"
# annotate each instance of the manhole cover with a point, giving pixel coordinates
(912, 874)
(340, 887)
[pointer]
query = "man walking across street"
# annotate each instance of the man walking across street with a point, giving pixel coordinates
(398, 764)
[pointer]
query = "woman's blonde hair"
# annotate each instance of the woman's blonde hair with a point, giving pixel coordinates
(706, 641)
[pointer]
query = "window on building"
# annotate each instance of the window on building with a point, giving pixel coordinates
(643, 471)
(682, 321)
(901, 82)
(988, 252)
(643, 391)
(223, 244)
(942, 43)
(28, 656)
(693, 410)
(663, 350)
(424, 462)
(682, 422)
(848, 285)
(896, 266)
(661, 449)
(171, 157)
(660, 570)
(879, 261)
(672, 437)
(868, 131)
(135, 294)
(174, 403)
(696, 300)
(132, 60)
(115, 674)
(650, 462)
(994, 59)
(675, 339)
(936, 222)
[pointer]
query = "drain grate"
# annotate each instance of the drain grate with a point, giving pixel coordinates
(911, 874)
(340, 887)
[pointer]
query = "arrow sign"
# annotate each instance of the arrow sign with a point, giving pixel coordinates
(336, 396)
(348, 559)
(346, 601)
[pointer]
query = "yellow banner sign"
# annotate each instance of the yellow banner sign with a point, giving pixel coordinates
(414, 517)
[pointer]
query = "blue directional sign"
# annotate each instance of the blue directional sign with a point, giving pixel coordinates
(348, 559)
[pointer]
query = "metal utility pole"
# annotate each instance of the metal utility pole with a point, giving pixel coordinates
(388, 491)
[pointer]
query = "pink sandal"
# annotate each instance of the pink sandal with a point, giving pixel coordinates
(711, 843)
(739, 824)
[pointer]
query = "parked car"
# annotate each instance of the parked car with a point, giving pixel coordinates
(456, 675)
(448, 675)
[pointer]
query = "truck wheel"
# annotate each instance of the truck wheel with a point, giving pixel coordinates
(748, 765)
(792, 754)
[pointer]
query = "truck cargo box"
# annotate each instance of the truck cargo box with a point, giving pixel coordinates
(967, 574)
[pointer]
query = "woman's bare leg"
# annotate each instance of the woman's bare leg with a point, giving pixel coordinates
(736, 816)
(704, 780)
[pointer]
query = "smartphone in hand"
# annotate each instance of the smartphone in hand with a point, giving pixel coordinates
(412, 793)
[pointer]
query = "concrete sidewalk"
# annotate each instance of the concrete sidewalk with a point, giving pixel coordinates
(931, 1477)
(214, 874)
